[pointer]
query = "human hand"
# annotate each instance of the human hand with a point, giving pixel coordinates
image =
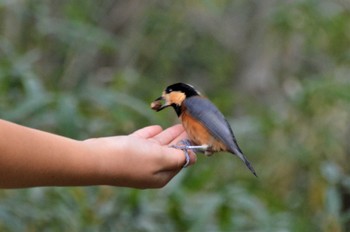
(142, 159)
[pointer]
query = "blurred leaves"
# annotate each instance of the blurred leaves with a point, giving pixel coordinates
(277, 70)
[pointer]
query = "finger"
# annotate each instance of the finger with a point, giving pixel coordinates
(182, 159)
(174, 159)
(176, 140)
(168, 135)
(148, 132)
(193, 158)
(172, 167)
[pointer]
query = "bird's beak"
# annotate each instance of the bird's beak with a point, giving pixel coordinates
(157, 104)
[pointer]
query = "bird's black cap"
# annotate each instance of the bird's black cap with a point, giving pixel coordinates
(188, 90)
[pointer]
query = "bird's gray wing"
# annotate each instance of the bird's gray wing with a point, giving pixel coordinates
(208, 114)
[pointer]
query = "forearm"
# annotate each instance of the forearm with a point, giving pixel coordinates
(30, 157)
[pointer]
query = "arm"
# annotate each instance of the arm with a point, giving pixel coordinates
(30, 157)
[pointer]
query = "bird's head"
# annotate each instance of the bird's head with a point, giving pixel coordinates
(174, 95)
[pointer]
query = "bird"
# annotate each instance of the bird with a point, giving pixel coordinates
(207, 129)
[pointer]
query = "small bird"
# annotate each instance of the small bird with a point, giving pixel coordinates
(207, 129)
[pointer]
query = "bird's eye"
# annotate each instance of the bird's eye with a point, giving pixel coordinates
(170, 90)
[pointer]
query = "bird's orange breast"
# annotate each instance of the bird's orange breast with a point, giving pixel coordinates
(198, 134)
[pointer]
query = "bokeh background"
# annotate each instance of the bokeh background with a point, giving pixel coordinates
(279, 71)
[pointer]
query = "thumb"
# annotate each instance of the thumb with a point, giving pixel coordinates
(176, 158)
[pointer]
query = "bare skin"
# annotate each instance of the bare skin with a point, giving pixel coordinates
(143, 159)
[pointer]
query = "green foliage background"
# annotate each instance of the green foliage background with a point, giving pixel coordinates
(279, 70)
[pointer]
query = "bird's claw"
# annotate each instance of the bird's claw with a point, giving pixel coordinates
(184, 146)
(187, 156)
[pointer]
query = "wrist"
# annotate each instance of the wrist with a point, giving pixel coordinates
(106, 159)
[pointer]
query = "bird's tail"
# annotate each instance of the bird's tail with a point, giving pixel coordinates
(245, 160)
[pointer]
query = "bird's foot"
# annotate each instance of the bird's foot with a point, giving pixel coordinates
(186, 145)
(182, 145)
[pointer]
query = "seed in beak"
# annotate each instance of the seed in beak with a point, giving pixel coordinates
(156, 105)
